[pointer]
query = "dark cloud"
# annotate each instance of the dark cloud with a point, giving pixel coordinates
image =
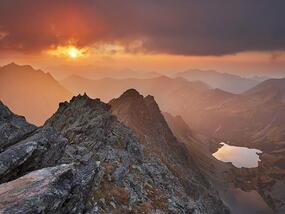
(189, 27)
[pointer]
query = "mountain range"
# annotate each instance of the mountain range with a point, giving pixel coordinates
(224, 81)
(127, 144)
(238, 118)
(85, 160)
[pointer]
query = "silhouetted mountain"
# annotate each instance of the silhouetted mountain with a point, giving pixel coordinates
(108, 88)
(224, 81)
(260, 78)
(177, 96)
(30, 92)
(272, 88)
(84, 160)
(63, 72)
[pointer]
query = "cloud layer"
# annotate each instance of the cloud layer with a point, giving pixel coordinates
(188, 27)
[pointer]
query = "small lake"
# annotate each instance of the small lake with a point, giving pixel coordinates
(238, 156)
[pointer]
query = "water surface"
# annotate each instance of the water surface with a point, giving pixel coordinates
(238, 156)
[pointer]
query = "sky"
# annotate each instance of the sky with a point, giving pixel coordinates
(239, 36)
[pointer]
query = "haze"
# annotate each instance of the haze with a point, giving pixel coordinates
(146, 36)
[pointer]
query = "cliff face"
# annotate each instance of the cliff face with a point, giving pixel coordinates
(85, 160)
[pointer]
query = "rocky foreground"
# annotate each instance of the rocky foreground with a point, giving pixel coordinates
(85, 160)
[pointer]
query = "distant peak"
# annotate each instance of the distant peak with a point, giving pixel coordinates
(13, 65)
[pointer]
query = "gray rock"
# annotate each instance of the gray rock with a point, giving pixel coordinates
(42, 191)
(12, 127)
(42, 149)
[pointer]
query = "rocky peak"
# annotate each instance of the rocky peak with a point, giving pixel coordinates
(78, 115)
(12, 127)
(106, 169)
(140, 113)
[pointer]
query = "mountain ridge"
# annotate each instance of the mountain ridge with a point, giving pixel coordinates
(225, 81)
(85, 159)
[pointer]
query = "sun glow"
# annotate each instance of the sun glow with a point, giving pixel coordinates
(74, 53)
(68, 52)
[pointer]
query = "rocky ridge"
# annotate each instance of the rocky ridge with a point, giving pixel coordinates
(84, 160)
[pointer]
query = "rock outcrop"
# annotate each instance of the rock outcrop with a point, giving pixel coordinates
(84, 160)
(42, 191)
(12, 127)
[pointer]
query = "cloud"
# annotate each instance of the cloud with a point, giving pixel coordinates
(187, 27)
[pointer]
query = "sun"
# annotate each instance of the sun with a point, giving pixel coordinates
(74, 52)
(71, 52)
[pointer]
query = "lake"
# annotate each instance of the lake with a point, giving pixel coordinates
(238, 156)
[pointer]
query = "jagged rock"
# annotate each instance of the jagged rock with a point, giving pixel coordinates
(12, 127)
(42, 191)
(128, 178)
(42, 149)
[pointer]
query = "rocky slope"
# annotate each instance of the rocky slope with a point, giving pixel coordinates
(143, 115)
(267, 179)
(83, 160)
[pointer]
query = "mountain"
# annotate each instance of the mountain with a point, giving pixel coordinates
(260, 78)
(30, 92)
(224, 81)
(172, 95)
(191, 100)
(143, 115)
(91, 72)
(253, 118)
(272, 87)
(85, 160)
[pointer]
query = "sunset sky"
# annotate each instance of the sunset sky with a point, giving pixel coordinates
(242, 36)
